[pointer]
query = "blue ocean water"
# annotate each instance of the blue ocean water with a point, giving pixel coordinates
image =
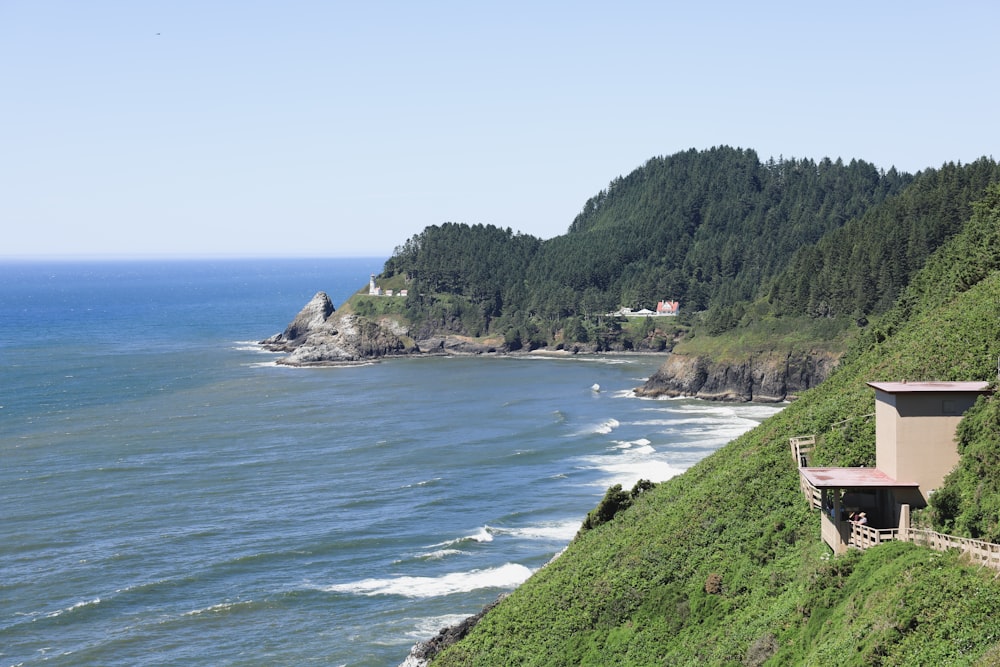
(170, 496)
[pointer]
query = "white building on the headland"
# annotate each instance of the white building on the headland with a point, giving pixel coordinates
(375, 290)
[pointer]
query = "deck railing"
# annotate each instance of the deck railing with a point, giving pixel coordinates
(978, 551)
(863, 536)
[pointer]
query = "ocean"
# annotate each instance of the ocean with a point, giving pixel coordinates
(172, 497)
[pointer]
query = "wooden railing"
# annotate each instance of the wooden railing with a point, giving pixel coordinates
(864, 537)
(978, 551)
(802, 446)
(813, 495)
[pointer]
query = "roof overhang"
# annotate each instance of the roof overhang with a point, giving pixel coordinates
(932, 387)
(852, 478)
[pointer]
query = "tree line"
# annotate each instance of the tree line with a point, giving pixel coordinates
(727, 235)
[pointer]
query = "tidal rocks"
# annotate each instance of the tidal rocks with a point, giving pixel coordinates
(423, 652)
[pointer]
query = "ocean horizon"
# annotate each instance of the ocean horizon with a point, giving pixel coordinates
(172, 496)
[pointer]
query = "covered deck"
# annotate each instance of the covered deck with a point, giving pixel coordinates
(839, 492)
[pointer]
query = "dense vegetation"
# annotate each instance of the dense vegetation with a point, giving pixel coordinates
(724, 565)
(737, 241)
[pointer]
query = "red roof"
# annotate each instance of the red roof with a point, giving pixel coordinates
(907, 387)
(850, 478)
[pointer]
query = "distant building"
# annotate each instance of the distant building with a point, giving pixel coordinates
(668, 307)
(663, 309)
(375, 290)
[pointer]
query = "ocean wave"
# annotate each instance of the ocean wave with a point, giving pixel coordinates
(426, 482)
(562, 531)
(484, 534)
(221, 608)
(442, 553)
(507, 576)
(430, 626)
(74, 607)
(629, 444)
(252, 346)
(627, 465)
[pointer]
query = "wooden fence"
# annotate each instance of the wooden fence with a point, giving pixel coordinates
(978, 551)
(802, 446)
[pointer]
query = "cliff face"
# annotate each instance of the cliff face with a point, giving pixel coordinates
(767, 377)
(320, 335)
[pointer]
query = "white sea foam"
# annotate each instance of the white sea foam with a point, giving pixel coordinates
(425, 628)
(628, 444)
(426, 482)
(507, 576)
(252, 346)
(74, 607)
(627, 465)
(605, 427)
(484, 534)
(219, 608)
(443, 553)
(561, 531)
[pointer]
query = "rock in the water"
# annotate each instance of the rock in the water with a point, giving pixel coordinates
(311, 318)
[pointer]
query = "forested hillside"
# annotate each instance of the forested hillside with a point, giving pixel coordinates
(734, 239)
(860, 268)
(724, 564)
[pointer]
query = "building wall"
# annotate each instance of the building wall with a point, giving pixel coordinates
(915, 435)
(885, 433)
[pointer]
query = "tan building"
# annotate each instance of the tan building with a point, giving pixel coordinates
(915, 448)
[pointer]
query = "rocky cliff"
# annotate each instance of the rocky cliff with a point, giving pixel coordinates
(767, 377)
(320, 335)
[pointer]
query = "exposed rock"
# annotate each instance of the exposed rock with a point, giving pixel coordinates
(452, 344)
(321, 336)
(311, 318)
(423, 652)
(766, 377)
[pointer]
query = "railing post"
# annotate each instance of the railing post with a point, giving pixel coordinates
(904, 522)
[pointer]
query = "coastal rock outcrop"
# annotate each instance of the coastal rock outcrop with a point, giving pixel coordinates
(320, 335)
(311, 318)
(766, 377)
(423, 652)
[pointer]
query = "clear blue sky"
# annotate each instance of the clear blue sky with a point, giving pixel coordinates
(201, 128)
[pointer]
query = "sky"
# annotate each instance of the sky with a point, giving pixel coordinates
(205, 128)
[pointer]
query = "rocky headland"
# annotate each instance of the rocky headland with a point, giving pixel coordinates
(321, 335)
(765, 377)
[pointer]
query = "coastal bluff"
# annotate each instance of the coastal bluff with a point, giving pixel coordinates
(321, 335)
(764, 377)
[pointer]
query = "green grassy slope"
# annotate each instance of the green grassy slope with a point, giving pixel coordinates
(724, 565)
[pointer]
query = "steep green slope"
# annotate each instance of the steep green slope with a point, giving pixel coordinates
(724, 565)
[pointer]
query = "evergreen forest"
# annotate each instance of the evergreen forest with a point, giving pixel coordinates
(736, 240)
